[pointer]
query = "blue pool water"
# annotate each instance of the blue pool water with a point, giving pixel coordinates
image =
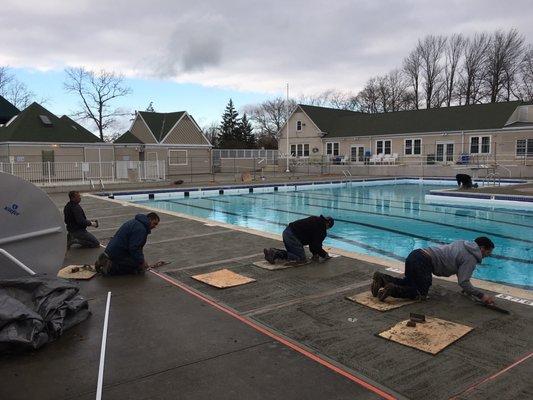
(389, 221)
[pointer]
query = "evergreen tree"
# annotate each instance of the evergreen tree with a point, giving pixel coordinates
(229, 129)
(246, 132)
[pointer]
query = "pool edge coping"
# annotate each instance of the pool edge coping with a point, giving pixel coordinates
(393, 266)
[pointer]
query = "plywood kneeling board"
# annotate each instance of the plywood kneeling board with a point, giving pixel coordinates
(368, 300)
(277, 265)
(223, 278)
(432, 336)
(83, 272)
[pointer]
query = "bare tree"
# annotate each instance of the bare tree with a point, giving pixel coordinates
(453, 53)
(211, 132)
(411, 67)
(525, 91)
(431, 49)
(331, 98)
(270, 116)
(505, 51)
(368, 98)
(5, 79)
(473, 72)
(96, 91)
(18, 94)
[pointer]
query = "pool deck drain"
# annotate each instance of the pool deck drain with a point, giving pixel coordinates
(165, 343)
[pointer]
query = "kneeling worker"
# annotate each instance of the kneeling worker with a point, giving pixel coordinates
(308, 231)
(457, 258)
(124, 253)
(77, 223)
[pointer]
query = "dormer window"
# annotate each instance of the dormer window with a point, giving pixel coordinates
(298, 125)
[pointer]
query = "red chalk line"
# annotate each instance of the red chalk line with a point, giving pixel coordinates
(280, 339)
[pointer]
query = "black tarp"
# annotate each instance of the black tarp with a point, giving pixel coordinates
(36, 310)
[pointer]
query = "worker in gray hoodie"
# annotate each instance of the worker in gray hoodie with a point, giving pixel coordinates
(457, 258)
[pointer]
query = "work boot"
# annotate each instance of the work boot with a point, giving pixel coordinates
(379, 280)
(269, 256)
(103, 264)
(401, 292)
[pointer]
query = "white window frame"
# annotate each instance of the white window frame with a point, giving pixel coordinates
(383, 145)
(300, 124)
(170, 163)
(480, 144)
(412, 147)
(331, 152)
(294, 149)
(299, 150)
(525, 153)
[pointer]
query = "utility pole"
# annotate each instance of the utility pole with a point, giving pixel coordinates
(287, 111)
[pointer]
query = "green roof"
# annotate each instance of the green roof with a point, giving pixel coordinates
(7, 110)
(128, 137)
(37, 124)
(81, 129)
(160, 123)
(342, 123)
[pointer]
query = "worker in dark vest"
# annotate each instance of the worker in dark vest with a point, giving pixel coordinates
(308, 231)
(464, 181)
(124, 253)
(77, 223)
(457, 258)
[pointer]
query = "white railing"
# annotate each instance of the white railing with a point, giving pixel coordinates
(71, 173)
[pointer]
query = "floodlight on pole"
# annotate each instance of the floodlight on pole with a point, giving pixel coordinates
(287, 119)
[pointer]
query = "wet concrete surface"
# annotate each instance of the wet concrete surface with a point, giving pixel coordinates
(165, 343)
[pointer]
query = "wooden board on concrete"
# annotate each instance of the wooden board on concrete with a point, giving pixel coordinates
(223, 278)
(277, 265)
(432, 336)
(82, 272)
(368, 300)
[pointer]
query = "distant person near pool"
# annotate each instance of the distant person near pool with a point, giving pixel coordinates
(77, 223)
(464, 181)
(457, 258)
(124, 253)
(308, 231)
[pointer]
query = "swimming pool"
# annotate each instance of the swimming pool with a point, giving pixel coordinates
(387, 220)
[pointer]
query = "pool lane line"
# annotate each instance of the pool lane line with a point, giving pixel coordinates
(289, 343)
(402, 208)
(368, 247)
(412, 218)
(529, 215)
(100, 383)
(494, 376)
(333, 236)
(396, 231)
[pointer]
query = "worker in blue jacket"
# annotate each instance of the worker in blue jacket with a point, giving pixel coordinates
(124, 253)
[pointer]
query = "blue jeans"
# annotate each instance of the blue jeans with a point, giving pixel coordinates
(295, 249)
(418, 274)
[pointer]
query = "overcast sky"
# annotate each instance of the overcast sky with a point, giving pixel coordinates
(238, 48)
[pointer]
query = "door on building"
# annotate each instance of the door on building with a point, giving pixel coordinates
(444, 152)
(357, 154)
(152, 165)
(48, 158)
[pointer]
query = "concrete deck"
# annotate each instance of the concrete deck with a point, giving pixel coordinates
(291, 335)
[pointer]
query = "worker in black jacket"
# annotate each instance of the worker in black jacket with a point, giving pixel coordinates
(77, 223)
(308, 231)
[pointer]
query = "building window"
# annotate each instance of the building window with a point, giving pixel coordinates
(293, 150)
(479, 144)
(413, 147)
(332, 148)
(524, 147)
(298, 125)
(383, 147)
(177, 157)
(300, 150)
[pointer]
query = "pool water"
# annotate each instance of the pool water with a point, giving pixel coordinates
(388, 220)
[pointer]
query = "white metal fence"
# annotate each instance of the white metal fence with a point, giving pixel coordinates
(71, 173)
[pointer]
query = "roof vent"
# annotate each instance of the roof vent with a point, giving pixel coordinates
(45, 120)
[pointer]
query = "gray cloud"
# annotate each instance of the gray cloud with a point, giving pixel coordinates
(247, 45)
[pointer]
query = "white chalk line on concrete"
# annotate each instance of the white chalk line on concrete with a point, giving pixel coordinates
(102, 350)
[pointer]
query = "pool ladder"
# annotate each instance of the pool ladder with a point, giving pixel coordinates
(347, 175)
